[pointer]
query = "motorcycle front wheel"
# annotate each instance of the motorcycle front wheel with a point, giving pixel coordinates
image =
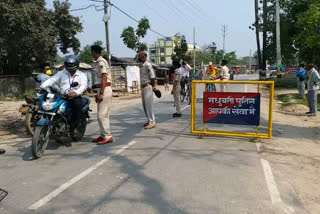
(40, 141)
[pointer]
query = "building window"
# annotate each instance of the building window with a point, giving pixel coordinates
(152, 60)
(162, 59)
(153, 51)
(161, 50)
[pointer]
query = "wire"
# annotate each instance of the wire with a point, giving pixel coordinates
(85, 8)
(198, 8)
(133, 18)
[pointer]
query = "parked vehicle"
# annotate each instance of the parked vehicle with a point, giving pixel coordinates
(273, 71)
(30, 111)
(55, 121)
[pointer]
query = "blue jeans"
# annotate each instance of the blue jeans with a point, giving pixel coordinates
(312, 101)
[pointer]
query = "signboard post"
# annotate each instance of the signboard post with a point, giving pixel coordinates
(231, 108)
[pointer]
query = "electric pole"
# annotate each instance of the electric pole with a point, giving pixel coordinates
(224, 34)
(194, 50)
(278, 33)
(106, 23)
(250, 68)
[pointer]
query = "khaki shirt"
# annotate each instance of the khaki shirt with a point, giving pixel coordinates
(103, 68)
(224, 73)
(146, 73)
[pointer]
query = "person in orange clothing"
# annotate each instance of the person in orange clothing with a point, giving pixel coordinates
(212, 75)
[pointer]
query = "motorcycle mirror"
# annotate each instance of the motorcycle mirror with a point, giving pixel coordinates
(74, 84)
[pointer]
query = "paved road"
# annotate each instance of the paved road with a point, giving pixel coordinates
(164, 170)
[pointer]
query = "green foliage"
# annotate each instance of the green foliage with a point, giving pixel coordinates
(30, 34)
(131, 38)
(181, 52)
(85, 53)
(29, 93)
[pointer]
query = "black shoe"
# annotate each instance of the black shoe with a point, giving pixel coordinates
(176, 115)
(2, 151)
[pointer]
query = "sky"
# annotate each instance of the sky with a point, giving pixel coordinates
(169, 17)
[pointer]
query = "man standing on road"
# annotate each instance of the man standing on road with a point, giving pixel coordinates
(147, 81)
(301, 76)
(185, 69)
(176, 90)
(313, 90)
(223, 75)
(103, 97)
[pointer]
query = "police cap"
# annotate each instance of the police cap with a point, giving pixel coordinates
(96, 48)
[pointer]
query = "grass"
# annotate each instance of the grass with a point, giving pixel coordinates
(290, 99)
(284, 83)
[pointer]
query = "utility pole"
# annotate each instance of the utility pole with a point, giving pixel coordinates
(250, 69)
(106, 23)
(194, 50)
(224, 34)
(278, 33)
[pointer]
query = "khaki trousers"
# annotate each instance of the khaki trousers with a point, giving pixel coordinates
(223, 87)
(147, 102)
(103, 113)
(176, 96)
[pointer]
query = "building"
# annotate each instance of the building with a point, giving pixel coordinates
(162, 51)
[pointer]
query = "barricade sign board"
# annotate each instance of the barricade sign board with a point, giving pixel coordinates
(231, 108)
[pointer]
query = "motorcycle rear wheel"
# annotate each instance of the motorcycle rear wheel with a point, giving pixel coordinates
(28, 123)
(78, 133)
(40, 141)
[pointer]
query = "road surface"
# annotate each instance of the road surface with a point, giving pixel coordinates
(163, 170)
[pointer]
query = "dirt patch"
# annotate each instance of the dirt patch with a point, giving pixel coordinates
(296, 108)
(294, 151)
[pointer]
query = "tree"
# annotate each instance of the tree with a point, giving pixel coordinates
(180, 52)
(85, 53)
(213, 51)
(131, 38)
(30, 34)
(309, 37)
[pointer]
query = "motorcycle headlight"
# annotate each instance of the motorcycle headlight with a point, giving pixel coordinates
(47, 106)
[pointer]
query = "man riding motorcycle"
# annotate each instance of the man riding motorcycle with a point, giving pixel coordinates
(65, 79)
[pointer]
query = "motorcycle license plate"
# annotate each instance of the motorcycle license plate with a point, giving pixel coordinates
(23, 109)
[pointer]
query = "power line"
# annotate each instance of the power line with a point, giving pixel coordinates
(199, 9)
(125, 13)
(180, 13)
(133, 18)
(161, 16)
(194, 12)
(85, 8)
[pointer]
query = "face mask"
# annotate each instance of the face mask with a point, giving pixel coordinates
(49, 72)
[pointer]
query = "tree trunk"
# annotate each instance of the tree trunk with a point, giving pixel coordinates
(257, 32)
(264, 55)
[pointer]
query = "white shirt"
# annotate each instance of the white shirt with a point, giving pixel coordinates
(185, 70)
(64, 79)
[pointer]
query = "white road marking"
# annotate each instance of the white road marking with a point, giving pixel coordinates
(184, 108)
(66, 185)
(273, 190)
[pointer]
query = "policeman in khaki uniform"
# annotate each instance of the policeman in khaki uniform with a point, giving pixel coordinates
(147, 81)
(177, 90)
(104, 95)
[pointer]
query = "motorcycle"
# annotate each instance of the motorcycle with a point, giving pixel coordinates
(30, 111)
(55, 121)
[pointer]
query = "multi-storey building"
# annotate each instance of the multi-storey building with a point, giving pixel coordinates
(162, 51)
